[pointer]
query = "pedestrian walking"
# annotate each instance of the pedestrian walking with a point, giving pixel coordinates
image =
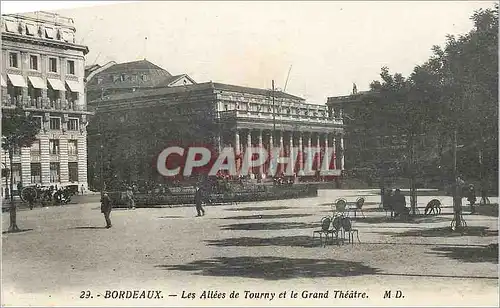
(484, 194)
(82, 189)
(471, 197)
(106, 206)
(130, 198)
(198, 200)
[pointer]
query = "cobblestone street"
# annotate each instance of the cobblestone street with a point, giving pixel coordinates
(263, 246)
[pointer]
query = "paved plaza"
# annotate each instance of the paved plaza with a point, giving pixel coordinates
(256, 247)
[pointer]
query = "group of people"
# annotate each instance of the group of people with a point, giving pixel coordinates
(395, 202)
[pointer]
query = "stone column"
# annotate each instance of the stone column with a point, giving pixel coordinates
(281, 150)
(249, 145)
(237, 148)
(261, 167)
(301, 153)
(327, 154)
(45, 160)
(237, 142)
(318, 145)
(218, 142)
(342, 156)
(290, 147)
(334, 143)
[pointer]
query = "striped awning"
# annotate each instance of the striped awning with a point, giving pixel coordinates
(37, 82)
(56, 84)
(17, 80)
(74, 86)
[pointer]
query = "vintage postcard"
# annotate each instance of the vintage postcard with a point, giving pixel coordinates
(257, 153)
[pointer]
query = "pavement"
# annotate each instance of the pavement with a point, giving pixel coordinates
(65, 257)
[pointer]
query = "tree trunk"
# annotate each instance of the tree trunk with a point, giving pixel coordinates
(413, 193)
(457, 194)
(13, 225)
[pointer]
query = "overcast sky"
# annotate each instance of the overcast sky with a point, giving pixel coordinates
(329, 45)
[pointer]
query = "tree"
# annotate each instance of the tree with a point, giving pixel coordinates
(19, 129)
(455, 93)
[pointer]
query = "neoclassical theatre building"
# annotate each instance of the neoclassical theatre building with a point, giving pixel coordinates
(43, 71)
(131, 128)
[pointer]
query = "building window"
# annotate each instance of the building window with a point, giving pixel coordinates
(33, 63)
(226, 107)
(36, 173)
(71, 67)
(72, 147)
(16, 173)
(16, 151)
(54, 147)
(34, 93)
(55, 123)
(73, 172)
(71, 96)
(38, 121)
(99, 80)
(35, 148)
(53, 95)
(73, 124)
(13, 92)
(53, 65)
(55, 174)
(123, 77)
(13, 60)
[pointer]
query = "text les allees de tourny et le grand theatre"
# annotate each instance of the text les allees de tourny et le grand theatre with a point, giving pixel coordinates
(245, 294)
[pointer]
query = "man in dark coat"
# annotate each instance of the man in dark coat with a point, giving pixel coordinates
(471, 197)
(106, 207)
(198, 200)
(399, 203)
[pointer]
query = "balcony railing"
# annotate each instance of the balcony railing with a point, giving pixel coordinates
(41, 103)
(54, 157)
(35, 157)
(243, 114)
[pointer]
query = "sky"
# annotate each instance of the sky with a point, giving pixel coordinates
(326, 46)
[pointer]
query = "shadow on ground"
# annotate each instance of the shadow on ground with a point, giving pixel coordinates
(87, 228)
(444, 232)
(271, 226)
(170, 217)
(277, 216)
(470, 254)
(333, 203)
(291, 241)
(261, 208)
(273, 268)
(412, 220)
(18, 231)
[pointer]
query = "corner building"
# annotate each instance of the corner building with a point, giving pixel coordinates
(43, 71)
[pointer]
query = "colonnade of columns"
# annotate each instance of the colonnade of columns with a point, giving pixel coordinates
(287, 142)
